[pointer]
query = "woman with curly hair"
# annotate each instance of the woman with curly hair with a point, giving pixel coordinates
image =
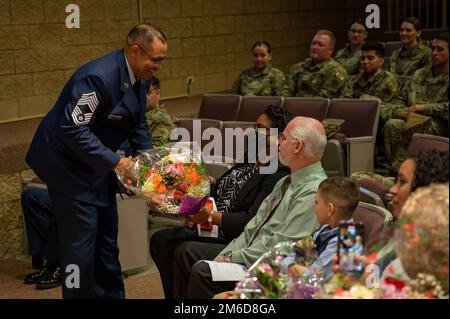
(418, 171)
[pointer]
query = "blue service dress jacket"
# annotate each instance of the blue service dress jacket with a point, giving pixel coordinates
(74, 147)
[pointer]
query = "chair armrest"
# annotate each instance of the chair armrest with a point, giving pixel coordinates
(360, 154)
(360, 139)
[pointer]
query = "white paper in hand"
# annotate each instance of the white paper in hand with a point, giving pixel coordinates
(226, 271)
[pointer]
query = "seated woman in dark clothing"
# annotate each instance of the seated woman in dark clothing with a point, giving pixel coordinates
(238, 195)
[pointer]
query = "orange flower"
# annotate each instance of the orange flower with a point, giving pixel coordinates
(415, 240)
(156, 178)
(194, 178)
(390, 269)
(372, 258)
(429, 295)
(339, 292)
(445, 269)
(408, 227)
(161, 188)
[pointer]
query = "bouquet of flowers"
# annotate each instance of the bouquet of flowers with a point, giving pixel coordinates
(306, 285)
(267, 279)
(171, 179)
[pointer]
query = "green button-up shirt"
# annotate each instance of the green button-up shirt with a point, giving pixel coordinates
(294, 218)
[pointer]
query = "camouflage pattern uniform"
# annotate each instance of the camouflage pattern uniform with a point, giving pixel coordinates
(382, 85)
(406, 62)
(348, 59)
(324, 79)
(423, 88)
(385, 180)
(160, 124)
(266, 83)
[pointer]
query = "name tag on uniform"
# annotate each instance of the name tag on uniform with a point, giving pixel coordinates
(114, 117)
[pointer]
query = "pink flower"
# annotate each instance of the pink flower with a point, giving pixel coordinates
(398, 284)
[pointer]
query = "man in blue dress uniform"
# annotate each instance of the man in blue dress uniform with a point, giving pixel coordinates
(74, 153)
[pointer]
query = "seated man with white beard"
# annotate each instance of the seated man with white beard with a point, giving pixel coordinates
(285, 215)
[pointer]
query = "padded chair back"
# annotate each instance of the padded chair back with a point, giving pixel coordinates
(425, 142)
(253, 106)
(224, 107)
(231, 142)
(374, 219)
(333, 159)
(308, 107)
(391, 46)
(370, 197)
(361, 116)
(373, 188)
(196, 132)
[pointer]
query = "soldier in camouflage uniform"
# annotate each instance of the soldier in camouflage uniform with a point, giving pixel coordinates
(373, 81)
(385, 180)
(262, 79)
(350, 55)
(320, 75)
(159, 121)
(424, 108)
(413, 55)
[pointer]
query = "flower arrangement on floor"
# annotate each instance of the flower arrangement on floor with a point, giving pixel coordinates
(267, 279)
(171, 179)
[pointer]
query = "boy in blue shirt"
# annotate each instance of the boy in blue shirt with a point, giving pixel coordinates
(336, 201)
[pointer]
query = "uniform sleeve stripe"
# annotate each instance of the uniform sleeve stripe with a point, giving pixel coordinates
(85, 108)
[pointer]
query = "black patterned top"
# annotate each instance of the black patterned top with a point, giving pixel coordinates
(229, 186)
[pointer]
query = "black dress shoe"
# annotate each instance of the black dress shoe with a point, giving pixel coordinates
(36, 276)
(50, 280)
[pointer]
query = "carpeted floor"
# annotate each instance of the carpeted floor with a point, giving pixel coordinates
(145, 285)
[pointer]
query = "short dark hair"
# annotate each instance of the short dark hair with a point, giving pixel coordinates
(415, 22)
(279, 117)
(357, 21)
(377, 47)
(342, 192)
(144, 34)
(442, 36)
(431, 167)
(154, 83)
(261, 43)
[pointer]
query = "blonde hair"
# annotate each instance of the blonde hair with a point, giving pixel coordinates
(423, 233)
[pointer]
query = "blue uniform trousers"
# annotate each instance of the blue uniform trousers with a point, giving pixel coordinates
(40, 224)
(88, 239)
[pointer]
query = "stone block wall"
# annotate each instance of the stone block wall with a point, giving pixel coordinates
(38, 53)
(208, 39)
(12, 242)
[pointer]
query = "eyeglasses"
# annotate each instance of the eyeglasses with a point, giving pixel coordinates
(158, 61)
(357, 31)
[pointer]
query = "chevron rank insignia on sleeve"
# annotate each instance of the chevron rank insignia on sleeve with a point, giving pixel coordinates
(85, 108)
